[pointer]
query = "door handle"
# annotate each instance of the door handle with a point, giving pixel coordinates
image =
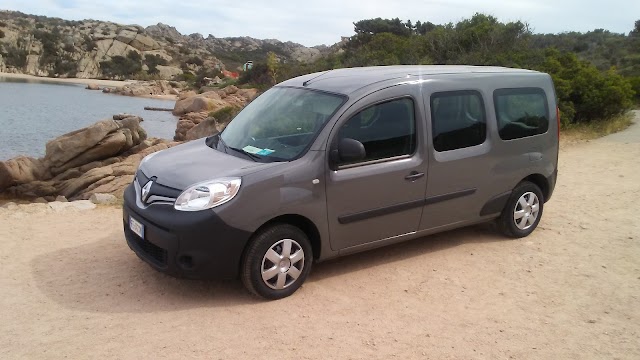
(414, 175)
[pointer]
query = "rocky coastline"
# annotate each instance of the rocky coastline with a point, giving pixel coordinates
(102, 158)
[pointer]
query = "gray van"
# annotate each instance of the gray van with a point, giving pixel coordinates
(334, 163)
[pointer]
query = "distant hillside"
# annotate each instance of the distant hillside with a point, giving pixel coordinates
(44, 46)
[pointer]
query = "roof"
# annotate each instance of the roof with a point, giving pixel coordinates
(349, 80)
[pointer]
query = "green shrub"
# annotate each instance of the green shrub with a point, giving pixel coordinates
(15, 57)
(187, 76)
(152, 62)
(87, 43)
(39, 25)
(225, 114)
(635, 85)
(64, 67)
(586, 94)
(122, 67)
(195, 60)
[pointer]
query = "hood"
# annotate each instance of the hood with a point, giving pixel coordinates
(184, 165)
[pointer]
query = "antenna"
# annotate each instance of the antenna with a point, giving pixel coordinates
(313, 78)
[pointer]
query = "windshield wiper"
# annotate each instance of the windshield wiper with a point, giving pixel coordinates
(253, 157)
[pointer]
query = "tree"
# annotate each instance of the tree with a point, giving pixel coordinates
(272, 66)
(636, 30)
(379, 25)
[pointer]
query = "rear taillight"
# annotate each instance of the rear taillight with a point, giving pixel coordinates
(558, 119)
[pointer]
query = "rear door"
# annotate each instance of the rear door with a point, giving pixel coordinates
(381, 196)
(460, 162)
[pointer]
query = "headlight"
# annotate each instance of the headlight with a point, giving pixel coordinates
(208, 194)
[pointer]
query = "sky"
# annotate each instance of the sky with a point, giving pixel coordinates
(313, 22)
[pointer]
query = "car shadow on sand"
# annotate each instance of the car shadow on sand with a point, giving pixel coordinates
(482, 233)
(106, 276)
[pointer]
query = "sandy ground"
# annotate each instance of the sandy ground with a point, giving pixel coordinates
(100, 83)
(70, 287)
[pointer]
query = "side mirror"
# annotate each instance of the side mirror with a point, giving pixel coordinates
(350, 150)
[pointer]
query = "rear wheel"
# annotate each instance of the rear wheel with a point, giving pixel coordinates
(277, 261)
(523, 211)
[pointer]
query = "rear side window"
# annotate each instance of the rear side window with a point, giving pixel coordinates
(457, 120)
(521, 112)
(386, 129)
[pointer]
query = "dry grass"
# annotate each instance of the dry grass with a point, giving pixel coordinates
(581, 132)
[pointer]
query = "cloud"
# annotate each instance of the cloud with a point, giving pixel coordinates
(323, 22)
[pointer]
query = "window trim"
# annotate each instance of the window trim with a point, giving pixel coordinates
(458, 93)
(520, 91)
(334, 139)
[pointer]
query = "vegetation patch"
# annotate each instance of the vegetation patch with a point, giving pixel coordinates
(122, 67)
(225, 114)
(595, 129)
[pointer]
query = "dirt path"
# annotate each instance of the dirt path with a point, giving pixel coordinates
(70, 287)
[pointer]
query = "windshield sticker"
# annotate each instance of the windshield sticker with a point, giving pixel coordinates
(251, 149)
(265, 152)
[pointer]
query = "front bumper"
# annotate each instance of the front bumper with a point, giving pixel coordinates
(184, 244)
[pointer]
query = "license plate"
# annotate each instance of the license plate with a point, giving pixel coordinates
(136, 227)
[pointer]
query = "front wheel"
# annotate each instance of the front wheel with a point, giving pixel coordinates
(523, 211)
(277, 261)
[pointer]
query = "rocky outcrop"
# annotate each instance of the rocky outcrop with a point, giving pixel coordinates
(101, 158)
(214, 100)
(146, 88)
(204, 128)
(195, 121)
(87, 43)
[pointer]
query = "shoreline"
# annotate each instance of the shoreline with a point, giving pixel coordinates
(84, 82)
(79, 81)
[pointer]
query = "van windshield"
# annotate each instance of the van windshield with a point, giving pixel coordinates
(280, 124)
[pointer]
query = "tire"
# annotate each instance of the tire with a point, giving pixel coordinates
(523, 211)
(260, 273)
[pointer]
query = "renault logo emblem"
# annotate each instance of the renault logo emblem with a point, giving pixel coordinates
(146, 189)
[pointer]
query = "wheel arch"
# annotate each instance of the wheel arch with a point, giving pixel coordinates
(301, 222)
(540, 181)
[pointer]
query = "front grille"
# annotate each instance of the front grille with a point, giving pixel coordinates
(153, 252)
(158, 192)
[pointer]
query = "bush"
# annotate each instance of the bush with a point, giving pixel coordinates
(152, 62)
(225, 114)
(187, 76)
(195, 60)
(258, 75)
(635, 85)
(39, 25)
(15, 57)
(122, 67)
(1, 34)
(87, 43)
(585, 94)
(64, 66)
(3, 24)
